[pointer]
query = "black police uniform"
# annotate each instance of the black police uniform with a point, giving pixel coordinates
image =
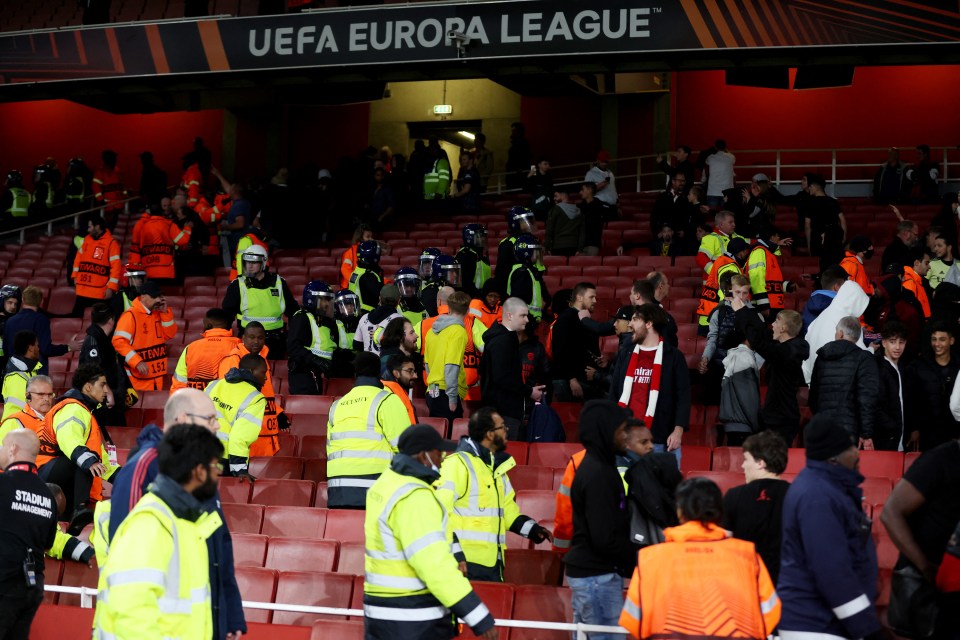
(28, 525)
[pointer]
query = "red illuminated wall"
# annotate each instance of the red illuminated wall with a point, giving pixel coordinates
(62, 129)
(900, 106)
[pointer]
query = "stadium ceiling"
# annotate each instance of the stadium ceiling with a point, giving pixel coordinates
(534, 47)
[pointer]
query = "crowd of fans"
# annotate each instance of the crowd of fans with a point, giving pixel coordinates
(874, 344)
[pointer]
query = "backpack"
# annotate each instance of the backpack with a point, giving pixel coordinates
(545, 425)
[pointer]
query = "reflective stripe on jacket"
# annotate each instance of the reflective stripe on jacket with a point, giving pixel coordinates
(97, 266)
(199, 362)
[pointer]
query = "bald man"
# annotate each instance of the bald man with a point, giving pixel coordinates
(28, 524)
(185, 406)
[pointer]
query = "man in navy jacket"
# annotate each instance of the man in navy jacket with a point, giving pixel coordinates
(185, 406)
(828, 564)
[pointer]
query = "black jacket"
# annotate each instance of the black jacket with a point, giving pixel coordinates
(28, 520)
(888, 426)
(98, 349)
(300, 337)
(501, 373)
(926, 393)
(784, 372)
(651, 484)
(673, 404)
(845, 383)
(578, 344)
(601, 520)
(896, 253)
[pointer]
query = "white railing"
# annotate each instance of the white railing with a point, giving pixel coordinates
(779, 164)
(87, 596)
(48, 223)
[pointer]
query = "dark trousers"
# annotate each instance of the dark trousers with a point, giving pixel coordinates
(301, 383)
(787, 431)
(74, 481)
(17, 611)
(439, 407)
(81, 304)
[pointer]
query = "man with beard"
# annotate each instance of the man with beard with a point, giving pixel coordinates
(900, 249)
(473, 488)
(184, 407)
(651, 380)
(159, 553)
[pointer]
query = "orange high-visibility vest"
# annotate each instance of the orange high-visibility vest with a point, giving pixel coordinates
(192, 181)
(479, 309)
(471, 360)
(202, 359)
(348, 262)
(154, 239)
(914, 283)
(108, 189)
(50, 450)
(267, 444)
(710, 295)
(141, 336)
(856, 272)
(402, 394)
(211, 216)
(27, 419)
(700, 583)
(769, 293)
(97, 266)
(563, 518)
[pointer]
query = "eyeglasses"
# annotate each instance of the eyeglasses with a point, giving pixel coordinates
(202, 418)
(218, 466)
(42, 395)
(409, 370)
(502, 427)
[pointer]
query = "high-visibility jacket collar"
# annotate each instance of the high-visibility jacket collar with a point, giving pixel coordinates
(409, 466)
(695, 531)
(218, 333)
(498, 461)
(183, 504)
(138, 306)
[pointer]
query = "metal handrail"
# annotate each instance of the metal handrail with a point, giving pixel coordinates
(22, 231)
(497, 181)
(88, 594)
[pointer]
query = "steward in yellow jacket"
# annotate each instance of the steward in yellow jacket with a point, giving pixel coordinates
(412, 587)
(476, 492)
(240, 407)
(156, 582)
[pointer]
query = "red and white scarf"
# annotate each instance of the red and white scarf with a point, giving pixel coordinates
(654, 380)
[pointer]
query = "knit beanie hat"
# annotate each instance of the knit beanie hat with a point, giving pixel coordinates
(825, 438)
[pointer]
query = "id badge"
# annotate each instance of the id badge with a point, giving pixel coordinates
(112, 454)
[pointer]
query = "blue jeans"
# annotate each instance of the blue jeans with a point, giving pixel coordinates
(662, 448)
(597, 600)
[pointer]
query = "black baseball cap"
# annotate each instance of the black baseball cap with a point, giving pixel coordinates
(422, 437)
(624, 313)
(150, 288)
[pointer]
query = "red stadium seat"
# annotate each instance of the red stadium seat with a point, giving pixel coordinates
(727, 459)
(499, 600)
(308, 404)
(320, 498)
(882, 464)
(52, 574)
(345, 525)
(77, 574)
(531, 478)
(308, 424)
(234, 490)
(539, 505)
(301, 554)
(461, 427)
(796, 460)
(351, 559)
(301, 522)
(527, 566)
(243, 518)
(726, 480)
(313, 447)
(153, 399)
(289, 444)
(519, 450)
(276, 467)
(439, 424)
(339, 629)
(257, 585)
(876, 490)
(553, 454)
(315, 469)
(249, 549)
(549, 604)
(294, 493)
(312, 589)
(337, 386)
(694, 458)
(124, 437)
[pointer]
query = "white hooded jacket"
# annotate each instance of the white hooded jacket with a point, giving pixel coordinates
(850, 301)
